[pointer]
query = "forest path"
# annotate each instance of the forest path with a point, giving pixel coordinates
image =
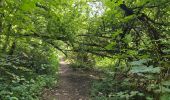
(73, 84)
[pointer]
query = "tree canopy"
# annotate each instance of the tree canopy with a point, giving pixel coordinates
(129, 37)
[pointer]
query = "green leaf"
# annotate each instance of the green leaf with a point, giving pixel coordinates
(139, 62)
(13, 98)
(165, 97)
(166, 83)
(145, 69)
(110, 46)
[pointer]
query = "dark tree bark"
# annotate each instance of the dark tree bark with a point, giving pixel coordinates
(145, 20)
(11, 51)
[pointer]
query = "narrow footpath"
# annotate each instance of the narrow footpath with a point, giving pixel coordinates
(73, 84)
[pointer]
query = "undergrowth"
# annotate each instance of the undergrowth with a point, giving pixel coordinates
(27, 72)
(140, 82)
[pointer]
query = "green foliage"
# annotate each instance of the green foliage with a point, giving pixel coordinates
(131, 37)
(22, 89)
(139, 67)
(23, 77)
(25, 74)
(82, 61)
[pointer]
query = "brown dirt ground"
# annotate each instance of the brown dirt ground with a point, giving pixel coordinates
(73, 84)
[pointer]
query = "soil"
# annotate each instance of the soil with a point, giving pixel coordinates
(73, 84)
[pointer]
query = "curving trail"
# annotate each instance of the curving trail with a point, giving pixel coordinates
(73, 85)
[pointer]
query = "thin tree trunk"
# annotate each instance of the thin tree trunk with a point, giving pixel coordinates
(7, 40)
(12, 49)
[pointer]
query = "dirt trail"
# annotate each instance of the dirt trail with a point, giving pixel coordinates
(73, 85)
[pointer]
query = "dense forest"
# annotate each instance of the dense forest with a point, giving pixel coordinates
(128, 41)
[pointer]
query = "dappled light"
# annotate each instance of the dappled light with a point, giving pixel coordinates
(84, 49)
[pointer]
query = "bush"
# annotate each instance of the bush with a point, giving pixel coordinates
(27, 90)
(25, 73)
